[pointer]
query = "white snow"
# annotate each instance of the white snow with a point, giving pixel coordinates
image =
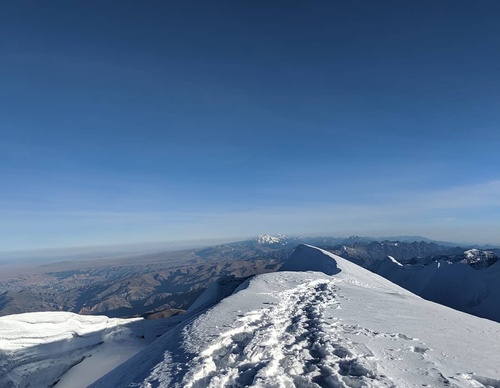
(218, 290)
(100, 361)
(36, 349)
(457, 285)
(477, 256)
(316, 261)
(395, 261)
(471, 253)
(271, 240)
(308, 329)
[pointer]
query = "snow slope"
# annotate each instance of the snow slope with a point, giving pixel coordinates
(308, 329)
(456, 285)
(218, 290)
(36, 349)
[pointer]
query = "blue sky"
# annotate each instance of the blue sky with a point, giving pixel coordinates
(125, 122)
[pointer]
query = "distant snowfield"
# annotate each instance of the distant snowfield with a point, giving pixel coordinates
(308, 329)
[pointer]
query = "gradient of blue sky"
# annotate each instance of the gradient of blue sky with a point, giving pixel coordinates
(125, 121)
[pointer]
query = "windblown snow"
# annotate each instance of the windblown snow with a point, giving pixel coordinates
(351, 328)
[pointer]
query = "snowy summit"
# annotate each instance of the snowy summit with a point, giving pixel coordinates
(347, 327)
(267, 239)
(478, 257)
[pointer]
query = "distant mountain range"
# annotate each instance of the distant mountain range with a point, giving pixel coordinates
(166, 283)
(328, 240)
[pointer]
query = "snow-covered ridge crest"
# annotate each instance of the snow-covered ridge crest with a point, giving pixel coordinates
(310, 258)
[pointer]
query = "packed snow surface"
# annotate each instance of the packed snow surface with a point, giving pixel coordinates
(308, 329)
(36, 349)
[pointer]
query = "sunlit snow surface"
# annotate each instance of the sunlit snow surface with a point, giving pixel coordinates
(308, 329)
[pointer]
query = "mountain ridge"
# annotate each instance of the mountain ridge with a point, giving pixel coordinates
(295, 328)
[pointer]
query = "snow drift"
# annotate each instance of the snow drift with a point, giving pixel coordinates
(308, 329)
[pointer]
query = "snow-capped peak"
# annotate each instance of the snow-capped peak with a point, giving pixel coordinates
(471, 253)
(478, 258)
(477, 254)
(268, 239)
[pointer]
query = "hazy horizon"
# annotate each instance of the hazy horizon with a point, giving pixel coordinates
(115, 250)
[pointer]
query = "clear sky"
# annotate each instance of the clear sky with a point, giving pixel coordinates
(136, 121)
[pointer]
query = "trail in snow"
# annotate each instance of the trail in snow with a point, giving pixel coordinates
(288, 344)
